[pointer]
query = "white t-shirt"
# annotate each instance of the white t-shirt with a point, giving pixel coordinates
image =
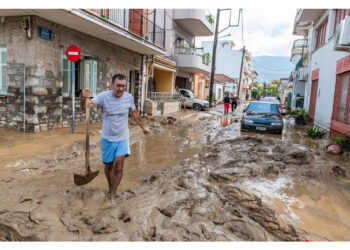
(115, 114)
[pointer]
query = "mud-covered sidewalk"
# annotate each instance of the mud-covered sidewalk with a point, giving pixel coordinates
(196, 178)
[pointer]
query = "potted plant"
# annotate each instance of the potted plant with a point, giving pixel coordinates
(210, 18)
(300, 116)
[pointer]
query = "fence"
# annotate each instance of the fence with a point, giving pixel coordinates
(163, 96)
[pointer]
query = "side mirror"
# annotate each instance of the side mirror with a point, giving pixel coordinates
(243, 110)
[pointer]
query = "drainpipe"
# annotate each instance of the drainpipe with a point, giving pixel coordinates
(24, 100)
(143, 83)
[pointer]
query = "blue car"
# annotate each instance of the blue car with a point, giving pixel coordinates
(262, 116)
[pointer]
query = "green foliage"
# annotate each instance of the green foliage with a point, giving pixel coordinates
(210, 18)
(266, 89)
(343, 141)
(255, 93)
(300, 114)
(315, 133)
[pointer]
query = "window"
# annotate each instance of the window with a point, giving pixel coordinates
(321, 34)
(343, 100)
(340, 15)
(3, 70)
(85, 70)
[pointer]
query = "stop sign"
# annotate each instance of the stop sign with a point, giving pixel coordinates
(73, 53)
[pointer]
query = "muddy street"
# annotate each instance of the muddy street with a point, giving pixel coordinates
(196, 178)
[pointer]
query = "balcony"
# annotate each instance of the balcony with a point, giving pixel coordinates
(194, 21)
(300, 48)
(192, 60)
(112, 25)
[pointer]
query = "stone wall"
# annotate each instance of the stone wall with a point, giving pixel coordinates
(38, 62)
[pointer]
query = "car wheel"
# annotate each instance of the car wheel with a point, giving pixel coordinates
(197, 106)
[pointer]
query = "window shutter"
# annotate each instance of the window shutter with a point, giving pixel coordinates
(66, 89)
(3, 70)
(91, 67)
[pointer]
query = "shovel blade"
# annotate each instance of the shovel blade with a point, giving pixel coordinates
(80, 180)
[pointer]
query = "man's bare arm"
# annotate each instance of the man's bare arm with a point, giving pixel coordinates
(135, 114)
(85, 94)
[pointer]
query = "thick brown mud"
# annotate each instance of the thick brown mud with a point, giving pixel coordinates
(194, 179)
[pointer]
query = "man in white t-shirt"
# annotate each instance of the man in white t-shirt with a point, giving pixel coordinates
(115, 105)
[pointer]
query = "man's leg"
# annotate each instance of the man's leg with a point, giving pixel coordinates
(108, 173)
(116, 174)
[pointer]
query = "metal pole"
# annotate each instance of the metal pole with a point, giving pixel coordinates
(240, 73)
(164, 28)
(73, 97)
(214, 59)
(154, 25)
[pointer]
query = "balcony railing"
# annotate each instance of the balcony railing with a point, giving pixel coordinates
(163, 96)
(196, 52)
(147, 29)
(135, 21)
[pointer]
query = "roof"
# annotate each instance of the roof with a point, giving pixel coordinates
(224, 78)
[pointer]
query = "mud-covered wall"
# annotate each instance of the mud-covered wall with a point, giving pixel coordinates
(38, 62)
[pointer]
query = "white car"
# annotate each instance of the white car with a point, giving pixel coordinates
(191, 100)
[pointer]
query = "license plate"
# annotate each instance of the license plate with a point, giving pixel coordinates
(261, 128)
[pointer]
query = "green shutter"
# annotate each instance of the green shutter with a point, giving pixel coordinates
(94, 78)
(66, 89)
(3, 70)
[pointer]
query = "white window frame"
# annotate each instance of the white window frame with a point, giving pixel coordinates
(3, 85)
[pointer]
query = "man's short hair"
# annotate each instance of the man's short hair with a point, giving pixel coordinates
(118, 77)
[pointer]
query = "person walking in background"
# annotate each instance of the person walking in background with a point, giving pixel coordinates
(234, 103)
(227, 101)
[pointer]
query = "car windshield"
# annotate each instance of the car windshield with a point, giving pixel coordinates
(260, 107)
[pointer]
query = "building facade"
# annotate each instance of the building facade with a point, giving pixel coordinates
(37, 79)
(327, 89)
(187, 65)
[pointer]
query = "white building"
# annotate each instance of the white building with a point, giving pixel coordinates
(229, 61)
(327, 96)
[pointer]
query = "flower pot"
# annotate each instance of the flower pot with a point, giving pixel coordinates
(333, 149)
(300, 121)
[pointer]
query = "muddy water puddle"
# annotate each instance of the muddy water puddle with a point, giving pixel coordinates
(53, 172)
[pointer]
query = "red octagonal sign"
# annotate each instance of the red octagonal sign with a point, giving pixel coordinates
(73, 53)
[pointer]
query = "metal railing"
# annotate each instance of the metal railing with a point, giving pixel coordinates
(142, 26)
(119, 17)
(194, 51)
(163, 96)
(134, 21)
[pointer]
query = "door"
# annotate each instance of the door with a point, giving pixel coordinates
(313, 97)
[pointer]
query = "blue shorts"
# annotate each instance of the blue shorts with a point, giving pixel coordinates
(110, 150)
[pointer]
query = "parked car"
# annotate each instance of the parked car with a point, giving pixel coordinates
(191, 100)
(262, 116)
(281, 108)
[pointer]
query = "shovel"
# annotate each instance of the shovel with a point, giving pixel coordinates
(89, 175)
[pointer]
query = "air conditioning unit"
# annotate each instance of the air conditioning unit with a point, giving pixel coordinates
(342, 36)
(302, 76)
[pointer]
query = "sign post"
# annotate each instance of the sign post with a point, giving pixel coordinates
(73, 55)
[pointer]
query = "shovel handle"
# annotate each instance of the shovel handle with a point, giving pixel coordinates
(87, 125)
